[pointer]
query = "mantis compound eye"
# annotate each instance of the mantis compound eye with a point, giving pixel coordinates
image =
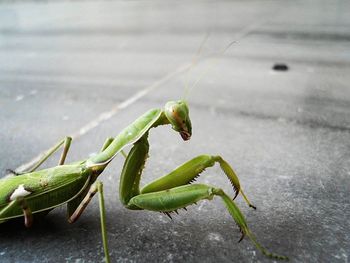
(178, 115)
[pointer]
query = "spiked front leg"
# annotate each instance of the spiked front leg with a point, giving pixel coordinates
(132, 170)
(179, 197)
(189, 171)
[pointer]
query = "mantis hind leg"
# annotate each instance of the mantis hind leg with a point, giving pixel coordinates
(189, 171)
(66, 142)
(170, 200)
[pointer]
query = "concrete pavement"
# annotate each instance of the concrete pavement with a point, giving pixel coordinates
(287, 134)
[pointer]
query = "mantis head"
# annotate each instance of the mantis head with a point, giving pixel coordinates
(178, 115)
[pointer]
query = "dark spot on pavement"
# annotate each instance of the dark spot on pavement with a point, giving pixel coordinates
(280, 67)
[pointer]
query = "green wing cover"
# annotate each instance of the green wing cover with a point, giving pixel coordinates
(45, 189)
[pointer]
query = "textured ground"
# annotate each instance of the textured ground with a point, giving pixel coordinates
(64, 65)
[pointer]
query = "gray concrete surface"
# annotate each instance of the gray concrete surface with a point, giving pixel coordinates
(286, 133)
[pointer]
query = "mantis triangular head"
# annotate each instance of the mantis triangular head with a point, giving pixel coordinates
(177, 113)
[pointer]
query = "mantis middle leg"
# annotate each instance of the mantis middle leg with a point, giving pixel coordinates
(94, 188)
(107, 142)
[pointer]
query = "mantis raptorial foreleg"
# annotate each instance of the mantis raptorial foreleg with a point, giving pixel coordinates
(184, 174)
(173, 191)
(176, 198)
(132, 170)
(189, 171)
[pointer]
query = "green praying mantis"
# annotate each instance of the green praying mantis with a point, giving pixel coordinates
(38, 192)
(30, 193)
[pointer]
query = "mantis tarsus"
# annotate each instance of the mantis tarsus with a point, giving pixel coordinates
(37, 192)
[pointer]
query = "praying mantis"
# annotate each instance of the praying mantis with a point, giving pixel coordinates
(36, 192)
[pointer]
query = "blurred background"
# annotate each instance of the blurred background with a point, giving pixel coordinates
(275, 105)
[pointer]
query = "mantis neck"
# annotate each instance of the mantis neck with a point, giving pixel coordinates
(128, 136)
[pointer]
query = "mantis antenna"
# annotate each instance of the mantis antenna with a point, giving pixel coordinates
(194, 62)
(211, 65)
